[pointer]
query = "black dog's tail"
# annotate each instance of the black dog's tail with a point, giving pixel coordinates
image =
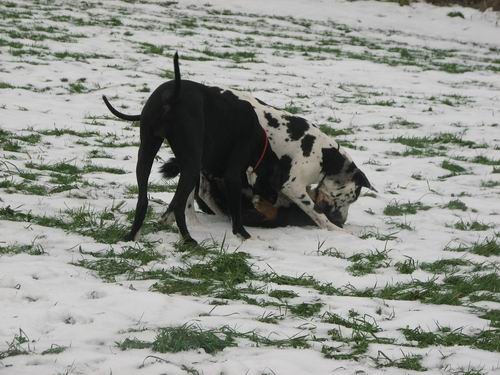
(170, 169)
(170, 101)
(118, 114)
(177, 74)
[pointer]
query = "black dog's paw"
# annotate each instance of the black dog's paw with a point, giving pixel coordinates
(242, 233)
(129, 237)
(188, 240)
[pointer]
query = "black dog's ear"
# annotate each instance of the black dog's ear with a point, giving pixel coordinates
(360, 179)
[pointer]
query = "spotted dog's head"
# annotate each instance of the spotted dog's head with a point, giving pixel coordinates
(339, 186)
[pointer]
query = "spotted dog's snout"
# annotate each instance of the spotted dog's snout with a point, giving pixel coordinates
(333, 215)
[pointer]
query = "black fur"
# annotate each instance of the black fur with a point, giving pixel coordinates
(208, 129)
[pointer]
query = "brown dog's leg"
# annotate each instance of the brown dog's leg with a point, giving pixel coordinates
(266, 209)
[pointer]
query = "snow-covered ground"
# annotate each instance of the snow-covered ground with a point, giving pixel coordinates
(411, 92)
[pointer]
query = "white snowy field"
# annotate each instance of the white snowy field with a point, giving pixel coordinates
(411, 286)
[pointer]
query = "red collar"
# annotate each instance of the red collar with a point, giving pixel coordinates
(266, 144)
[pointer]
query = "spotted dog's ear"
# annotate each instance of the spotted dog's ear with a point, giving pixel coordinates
(360, 179)
(332, 161)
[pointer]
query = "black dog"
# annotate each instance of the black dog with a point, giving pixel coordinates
(209, 129)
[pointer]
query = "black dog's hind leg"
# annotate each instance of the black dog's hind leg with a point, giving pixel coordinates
(147, 151)
(187, 151)
(186, 185)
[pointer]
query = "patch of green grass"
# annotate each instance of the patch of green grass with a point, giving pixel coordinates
(353, 346)
(92, 168)
(493, 316)
(490, 183)
(453, 68)
(218, 273)
(27, 175)
(366, 263)
(487, 247)
(236, 56)
(77, 88)
(31, 249)
(378, 235)
(190, 337)
(228, 268)
(428, 142)
(54, 349)
(282, 294)
(356, 322)
(306, 310)
(400, 122)
(303, 280)
(469, 370)
(481, 159)
(5, 85)
(61, 167)
(451, 291)
(24, 187)
(99, 225)
(455, 14)
(168, 187)
(456, 204)
(332, 132)
(452, 167)
(270, 318)
(133, 344)
(151, 49)
(9, 140)
(130, 261)
(18, 346)
(79, 56)
(99, 154)
(407, 267)
(404, 225)
(444, 265)
(486, 339)
(183, 338)
(64, 131)
(473, 225)
(167, 74)
(66, 168)
(292, 108)
(175, 285)
(400, 209)
(11, 146)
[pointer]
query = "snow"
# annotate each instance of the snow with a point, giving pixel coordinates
(56, 302)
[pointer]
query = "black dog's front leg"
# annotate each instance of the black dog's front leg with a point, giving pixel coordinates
(147, 151)
(233, 184)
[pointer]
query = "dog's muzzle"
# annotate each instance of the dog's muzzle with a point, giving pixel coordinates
(330, 212)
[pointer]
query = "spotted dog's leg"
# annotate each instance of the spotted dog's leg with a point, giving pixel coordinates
(206, 196)
(300, 197)
(190, 212)
(167, 218)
